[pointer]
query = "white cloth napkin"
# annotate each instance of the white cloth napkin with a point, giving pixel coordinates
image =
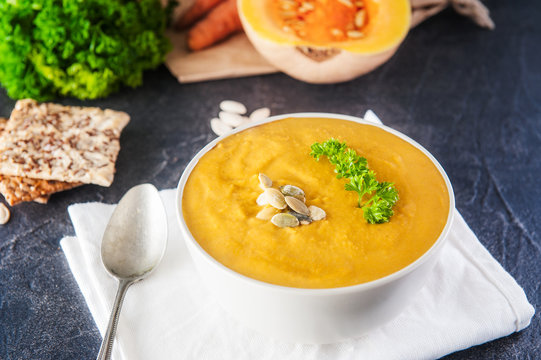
(469, 299)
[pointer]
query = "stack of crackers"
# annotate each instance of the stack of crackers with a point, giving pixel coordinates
(46, 148)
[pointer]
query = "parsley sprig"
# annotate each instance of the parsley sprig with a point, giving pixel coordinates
(375, 198)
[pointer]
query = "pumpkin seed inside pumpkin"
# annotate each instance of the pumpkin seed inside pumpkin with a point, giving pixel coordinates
(347, 3)
(360, 17)
(354, 34)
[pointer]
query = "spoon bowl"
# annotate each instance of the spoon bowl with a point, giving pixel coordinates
(135, 237)
(132, 246)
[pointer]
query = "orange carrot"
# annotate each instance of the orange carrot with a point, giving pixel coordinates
(197, 11)
(221, 22)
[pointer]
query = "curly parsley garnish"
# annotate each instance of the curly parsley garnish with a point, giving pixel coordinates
(375, 198)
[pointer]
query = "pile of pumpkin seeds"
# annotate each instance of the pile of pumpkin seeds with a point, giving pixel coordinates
(290, 200)
(294, 13)
(234, 114)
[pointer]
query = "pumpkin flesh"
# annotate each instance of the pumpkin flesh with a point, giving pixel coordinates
(387, 24)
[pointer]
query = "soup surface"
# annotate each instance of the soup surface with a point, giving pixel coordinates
(219, 205)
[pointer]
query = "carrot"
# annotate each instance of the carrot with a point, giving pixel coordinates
(197, 11)
(221, 22)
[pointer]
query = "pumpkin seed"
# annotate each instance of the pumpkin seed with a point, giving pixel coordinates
(347, 3)
(262, 200)
(275, 198)
(4, 214)
(219, 127)
(360, 18)
(266, 214)
(287, 5)
(288, 14)
(231, 119)
(297, 205)
(284, 220)
(317, 213)
(292, 190)
(232, 106)
(303, 219)
(336, 32)
(305, 7)
(264, 112)
(264, 181)
(294, 22)
(354, 34)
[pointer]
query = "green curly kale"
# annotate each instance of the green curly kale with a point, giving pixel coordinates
(375, 198)
(85, 49)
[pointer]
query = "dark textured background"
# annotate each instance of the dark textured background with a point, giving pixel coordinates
(472, 97)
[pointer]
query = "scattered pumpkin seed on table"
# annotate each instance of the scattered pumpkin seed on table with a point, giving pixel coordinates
(219, 127)
(232, 106)
(231, 119)
(4, 214)
(260, 114)
(232, 116)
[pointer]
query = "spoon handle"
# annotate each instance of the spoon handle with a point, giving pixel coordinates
(109, 337)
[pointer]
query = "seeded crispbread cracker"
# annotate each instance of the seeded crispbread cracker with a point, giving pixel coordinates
(65, 143)
(17, 189)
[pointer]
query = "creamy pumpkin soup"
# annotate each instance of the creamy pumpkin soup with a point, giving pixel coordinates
(220, 205)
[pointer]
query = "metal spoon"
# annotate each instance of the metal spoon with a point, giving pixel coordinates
(132, 245)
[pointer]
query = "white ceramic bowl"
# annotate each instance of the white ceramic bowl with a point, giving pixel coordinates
(312, 315)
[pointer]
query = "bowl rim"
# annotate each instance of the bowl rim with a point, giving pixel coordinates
(314, 291)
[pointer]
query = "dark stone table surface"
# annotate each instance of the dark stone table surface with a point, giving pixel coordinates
(471, 96)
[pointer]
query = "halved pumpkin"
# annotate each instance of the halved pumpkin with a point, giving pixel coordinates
(325, 41)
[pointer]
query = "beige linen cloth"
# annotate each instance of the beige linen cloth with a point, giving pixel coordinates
(236, 57)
